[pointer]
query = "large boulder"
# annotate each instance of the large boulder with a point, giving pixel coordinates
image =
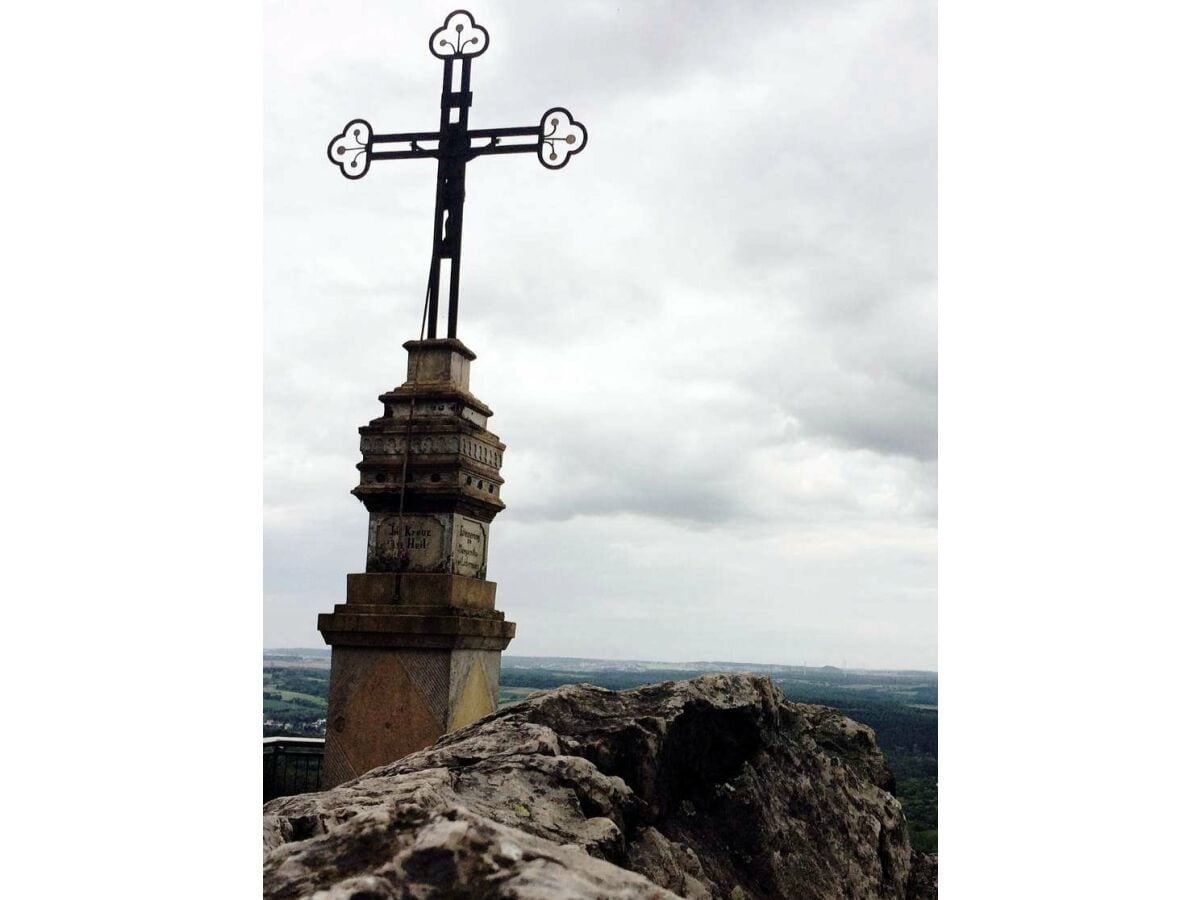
(711, 788)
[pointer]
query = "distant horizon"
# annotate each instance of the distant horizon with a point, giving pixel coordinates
(325, 651)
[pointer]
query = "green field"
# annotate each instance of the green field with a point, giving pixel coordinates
(294, 700)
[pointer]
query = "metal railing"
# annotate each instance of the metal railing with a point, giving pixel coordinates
(291, 765)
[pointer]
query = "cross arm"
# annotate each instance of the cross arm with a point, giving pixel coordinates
(353, 150)
(557, 136)
(554, 140)
(522, 131)
(405, 137)
(494, 136)
(379, 146)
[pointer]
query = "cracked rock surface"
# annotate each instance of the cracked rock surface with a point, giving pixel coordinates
(715, 787)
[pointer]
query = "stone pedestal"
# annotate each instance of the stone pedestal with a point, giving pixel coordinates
(416, 645)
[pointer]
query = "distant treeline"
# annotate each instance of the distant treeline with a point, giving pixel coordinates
(896, 727)
(301, 681)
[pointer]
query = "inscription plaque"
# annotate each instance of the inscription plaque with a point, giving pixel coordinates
(420, 538)
(470, 548)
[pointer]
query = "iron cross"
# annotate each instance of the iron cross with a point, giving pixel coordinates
(554, 139)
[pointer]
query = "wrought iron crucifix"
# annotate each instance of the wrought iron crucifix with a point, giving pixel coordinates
(554, 139)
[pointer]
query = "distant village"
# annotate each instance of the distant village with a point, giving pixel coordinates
(313, 728)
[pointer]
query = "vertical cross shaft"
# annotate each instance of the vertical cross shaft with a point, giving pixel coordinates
(453, 150)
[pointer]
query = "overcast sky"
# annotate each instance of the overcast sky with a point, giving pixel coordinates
(710, 341)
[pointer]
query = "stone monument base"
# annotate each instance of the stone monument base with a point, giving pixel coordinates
(415, 655)
(416, 645)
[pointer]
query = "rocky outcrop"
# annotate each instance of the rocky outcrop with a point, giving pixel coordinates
(711, 788)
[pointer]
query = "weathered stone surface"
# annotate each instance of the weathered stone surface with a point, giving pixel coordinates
(711, 788)
(389, 702)
(431, 444)
(404, 851)
(419, 589)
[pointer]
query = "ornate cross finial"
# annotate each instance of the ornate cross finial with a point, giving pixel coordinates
(554, 140)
